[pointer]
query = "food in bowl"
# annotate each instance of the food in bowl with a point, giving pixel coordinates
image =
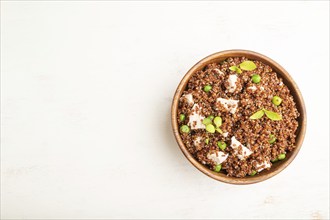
(237, 117)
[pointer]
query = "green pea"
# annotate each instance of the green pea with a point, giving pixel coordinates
(256, 78)
(182, 117)
(253, 173)
(217, 121)
(207, 88)
(272, 139)
(184, 129)
(207, 121)
(217, 168)
(207, 141)
(281, 157)
(275, 160)
(222, 145)
(211, 117)
(276, 100)
(210, 128)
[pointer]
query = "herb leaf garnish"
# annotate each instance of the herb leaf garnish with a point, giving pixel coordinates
(236, 69)
(258, 114)
(247, 65)
(271, 115)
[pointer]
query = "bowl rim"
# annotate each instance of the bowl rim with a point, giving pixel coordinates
(283, 74)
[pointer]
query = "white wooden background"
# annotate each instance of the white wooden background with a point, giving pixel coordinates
(86, 89)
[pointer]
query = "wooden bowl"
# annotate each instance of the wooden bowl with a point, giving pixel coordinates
(288, 81)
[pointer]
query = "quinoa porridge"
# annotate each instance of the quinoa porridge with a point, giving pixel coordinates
(237, 117)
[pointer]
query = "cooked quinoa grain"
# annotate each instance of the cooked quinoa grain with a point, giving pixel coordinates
(240, 144)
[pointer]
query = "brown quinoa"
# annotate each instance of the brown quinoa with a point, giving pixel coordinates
(252, 134)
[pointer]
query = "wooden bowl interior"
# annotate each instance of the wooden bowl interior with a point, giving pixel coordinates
(288, 81)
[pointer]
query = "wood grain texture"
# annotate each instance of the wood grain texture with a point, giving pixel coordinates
(287, 79)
